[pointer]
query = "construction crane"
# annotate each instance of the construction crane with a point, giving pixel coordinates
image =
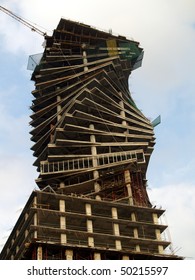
(32, 27)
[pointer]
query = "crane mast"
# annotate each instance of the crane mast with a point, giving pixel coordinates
(32, 27)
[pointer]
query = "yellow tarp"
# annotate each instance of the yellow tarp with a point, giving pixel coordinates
(112, 47)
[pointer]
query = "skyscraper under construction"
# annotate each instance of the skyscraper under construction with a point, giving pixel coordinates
(92, 147)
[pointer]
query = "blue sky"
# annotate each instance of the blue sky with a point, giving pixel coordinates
(164, 85)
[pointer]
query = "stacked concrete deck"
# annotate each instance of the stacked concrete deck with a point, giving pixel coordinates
(57, 226)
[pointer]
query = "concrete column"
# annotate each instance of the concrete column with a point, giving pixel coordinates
(114, 213)
(89, 226)
(35, 218)
(155, 218)
(93, 148)
(35, 234)
(94, 160)
(95, 172)
(62, 185)
(39, 253)
(133, 217)
(62, 208)
(118, 244)
(135, 233)
(90, 241)
(51, 134)
(122, 112)
(63, 238)
(97, 256)
(158, 234)
(116, 229)
(128, 186)
(160, 249)
(35, 224)
(137, 248)
(59, 108)
(62, 205)
(125, 257)
(69, 254)
(35, 202)
(63, 222)
(85, 61)
(88, 209)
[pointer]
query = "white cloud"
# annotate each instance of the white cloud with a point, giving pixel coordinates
(17, 182)
(16, 171)
(179, 202)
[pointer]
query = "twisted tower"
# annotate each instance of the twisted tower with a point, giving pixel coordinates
(92, 147)
(90, 138)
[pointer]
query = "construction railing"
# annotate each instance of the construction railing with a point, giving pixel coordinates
(98, 161)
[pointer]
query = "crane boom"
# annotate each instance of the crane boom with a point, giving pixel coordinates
(33, 28)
